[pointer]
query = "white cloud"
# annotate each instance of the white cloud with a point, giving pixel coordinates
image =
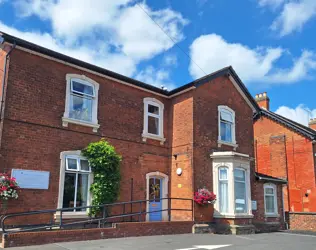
(270, 3)
(212, 52)
(155, 77)
(294, 15)
(116, 34)
(299, 114)
(170, 60)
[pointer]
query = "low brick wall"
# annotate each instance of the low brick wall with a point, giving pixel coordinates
(302, 221)
(119, 230)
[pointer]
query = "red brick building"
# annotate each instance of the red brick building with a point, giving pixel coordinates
(198, 135)
(286, 149)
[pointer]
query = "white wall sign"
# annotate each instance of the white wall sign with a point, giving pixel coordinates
(254, 205)
(31, 179)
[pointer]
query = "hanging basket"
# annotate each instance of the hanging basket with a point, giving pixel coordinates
(204, 197)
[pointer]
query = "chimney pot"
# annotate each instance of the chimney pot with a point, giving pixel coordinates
(312, 123)
(263, 100)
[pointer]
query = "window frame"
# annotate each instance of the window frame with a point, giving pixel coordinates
(145, 135)
(275, 199)
(71, 92)
(245, 182)
(64, 156)
(219, 182)
(222, 108)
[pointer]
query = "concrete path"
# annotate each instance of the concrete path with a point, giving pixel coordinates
(272, 241)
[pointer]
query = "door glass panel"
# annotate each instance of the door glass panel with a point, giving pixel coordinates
(154, 190)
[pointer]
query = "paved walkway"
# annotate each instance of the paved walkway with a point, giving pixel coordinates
(272, 241)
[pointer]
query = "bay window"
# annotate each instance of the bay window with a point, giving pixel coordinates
(231, 184)
(270, 199)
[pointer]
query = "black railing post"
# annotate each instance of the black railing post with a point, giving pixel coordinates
(192, 205)
(140, 211)
(103, 216)
(61, 219)
(169, 209)
(124, 212)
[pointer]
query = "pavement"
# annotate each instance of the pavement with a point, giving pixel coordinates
(271, 241)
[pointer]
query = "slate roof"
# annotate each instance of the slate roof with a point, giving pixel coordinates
(269, 178)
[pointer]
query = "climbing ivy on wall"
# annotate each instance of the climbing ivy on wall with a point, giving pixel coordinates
(105, 165)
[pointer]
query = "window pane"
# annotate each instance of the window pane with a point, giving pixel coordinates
(226, 116)
(72, 164)
(223, 196)
(268, 190)
(269, 204)
(69, 190)
(226, 132)
(80, 108)
(240, 197)
(223, 174)
(82, 191)
(153, 125)
(153, 109)
(239, 175)
(84, 165)
(82, 88)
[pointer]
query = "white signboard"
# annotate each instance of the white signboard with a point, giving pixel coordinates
(31, 179)
(254, 205)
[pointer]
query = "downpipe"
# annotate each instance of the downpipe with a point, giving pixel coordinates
(3, 87)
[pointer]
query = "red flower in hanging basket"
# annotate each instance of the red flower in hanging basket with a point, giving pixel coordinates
(204, 196)
(8, 187)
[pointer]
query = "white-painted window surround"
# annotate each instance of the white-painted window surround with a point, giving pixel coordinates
(226, 126)
(74, 183)
(153, 120)
(81, 105)
(231, 184)
(270, 200)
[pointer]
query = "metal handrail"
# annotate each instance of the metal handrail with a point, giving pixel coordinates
(101, 220)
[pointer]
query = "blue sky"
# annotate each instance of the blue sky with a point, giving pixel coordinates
(270, 43)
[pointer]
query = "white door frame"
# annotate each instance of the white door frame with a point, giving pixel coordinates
(165, 180)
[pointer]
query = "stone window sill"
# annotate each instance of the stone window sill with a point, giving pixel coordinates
(71, 215)
(67, 120)
(146, 136)
(220, 143)
(272, 215)
(233, 216)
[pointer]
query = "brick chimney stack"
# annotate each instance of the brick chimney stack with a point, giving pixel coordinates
(312, 123)
(263, 100)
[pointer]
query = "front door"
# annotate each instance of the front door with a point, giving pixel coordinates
(155, 202)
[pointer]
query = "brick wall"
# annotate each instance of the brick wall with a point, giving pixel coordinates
(259, 214)
(119, 231)
(302, 221)
(207, 98)
(34, 137)
(182, 154)
(279, 150)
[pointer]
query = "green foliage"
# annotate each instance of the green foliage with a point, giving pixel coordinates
(105, 165)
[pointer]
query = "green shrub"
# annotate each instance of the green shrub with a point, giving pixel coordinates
(105, 165)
